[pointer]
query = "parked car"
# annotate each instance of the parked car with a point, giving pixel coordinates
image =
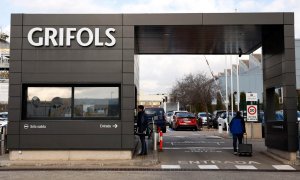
(174, 113)
(278, 117)
(204, 117)
(3, 123)
(185, 120)
(3, 115)
(213, 122)
(3, 120)
(161, 121)
(169, 116)
(223, 119)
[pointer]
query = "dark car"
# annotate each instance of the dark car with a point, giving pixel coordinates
(161, 121)
(213, 121)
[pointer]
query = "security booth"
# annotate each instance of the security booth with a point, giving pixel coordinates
(74, 78)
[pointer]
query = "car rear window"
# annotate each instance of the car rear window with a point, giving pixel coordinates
(202, 115)
(186, 115)
(154, 111)
(169, 114)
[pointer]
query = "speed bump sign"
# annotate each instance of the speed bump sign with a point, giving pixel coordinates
(251, 112)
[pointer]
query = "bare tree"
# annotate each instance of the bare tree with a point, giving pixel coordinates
(195, 91)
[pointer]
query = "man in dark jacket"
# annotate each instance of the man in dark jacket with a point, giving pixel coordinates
(142, 125)
(237, 129)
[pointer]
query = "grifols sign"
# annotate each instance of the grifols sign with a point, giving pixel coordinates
(63, 36)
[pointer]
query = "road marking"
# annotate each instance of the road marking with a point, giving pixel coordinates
(215, 162)
(188, 148)
(202, 151)
(197, 142)
(213, 137)
(248, 167)
(208, 167)
(170, 167)
(283, 167)
(179, 136)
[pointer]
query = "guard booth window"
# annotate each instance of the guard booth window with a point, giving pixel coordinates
(71, 102)
(96, 102)
(49, 102)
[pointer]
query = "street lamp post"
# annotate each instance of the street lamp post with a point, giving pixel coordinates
(238, 83)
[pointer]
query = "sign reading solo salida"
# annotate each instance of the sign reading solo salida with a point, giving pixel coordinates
(63, 36)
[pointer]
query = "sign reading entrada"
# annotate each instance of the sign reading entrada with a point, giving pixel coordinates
(63, 36)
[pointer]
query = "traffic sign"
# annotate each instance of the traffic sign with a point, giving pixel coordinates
(251, 96)
(251, 112)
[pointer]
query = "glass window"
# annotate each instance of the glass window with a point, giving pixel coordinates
(49, 102)
(72, 102)
(96, 102)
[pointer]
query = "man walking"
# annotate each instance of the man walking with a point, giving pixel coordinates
(237, 128)
(142, 125)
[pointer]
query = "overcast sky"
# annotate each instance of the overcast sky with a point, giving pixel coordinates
(169, 68)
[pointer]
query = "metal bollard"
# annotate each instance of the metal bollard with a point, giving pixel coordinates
(154, 135)
(220, 129)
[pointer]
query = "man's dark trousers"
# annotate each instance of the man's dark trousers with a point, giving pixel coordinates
(237, 137)
(143, 144)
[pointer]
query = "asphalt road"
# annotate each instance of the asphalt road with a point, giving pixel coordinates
(186, 155)
(210, 150)
(144, 175)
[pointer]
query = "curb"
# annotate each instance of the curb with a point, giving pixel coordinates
(79, 164)
(279, 159)
(136, 162)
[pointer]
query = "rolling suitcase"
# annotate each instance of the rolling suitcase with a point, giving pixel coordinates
(245, 149)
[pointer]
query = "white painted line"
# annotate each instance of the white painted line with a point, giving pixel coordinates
(213, 137)
(283, 167)
(208, 167)
(178, 148)
(170, 167)
(248, 167)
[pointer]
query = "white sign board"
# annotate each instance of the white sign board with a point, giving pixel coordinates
(251, 96)
(251, 112)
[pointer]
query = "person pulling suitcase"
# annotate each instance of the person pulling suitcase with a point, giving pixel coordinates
(237, 129)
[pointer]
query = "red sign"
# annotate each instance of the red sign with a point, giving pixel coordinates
(251, 110)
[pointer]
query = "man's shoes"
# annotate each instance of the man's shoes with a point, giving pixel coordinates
(142, 154)
(235, 153)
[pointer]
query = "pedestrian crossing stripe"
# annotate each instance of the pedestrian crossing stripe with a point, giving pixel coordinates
(283, 167)
(170, 167)
(246, 167)
(240, 167)
(208, 167)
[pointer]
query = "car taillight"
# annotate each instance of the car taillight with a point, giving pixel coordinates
(193, 120)
(180, 120)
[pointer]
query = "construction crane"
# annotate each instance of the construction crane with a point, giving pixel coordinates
(214, 78)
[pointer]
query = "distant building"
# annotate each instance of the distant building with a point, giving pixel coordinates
(4, 71)
(151, 100)
(250, 76)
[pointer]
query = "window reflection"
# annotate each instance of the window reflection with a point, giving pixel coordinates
(49, 102)
(96, 102)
